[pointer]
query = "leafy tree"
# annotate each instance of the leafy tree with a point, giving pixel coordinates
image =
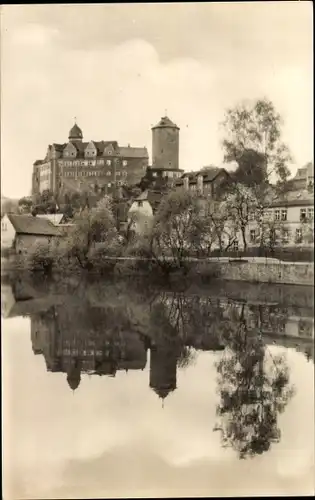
(25, 204)
(253, 140)
(45, 203)
(253, 390)
(91, 227)
(175, 227)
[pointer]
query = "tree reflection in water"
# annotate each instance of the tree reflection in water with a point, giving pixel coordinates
(254, 387)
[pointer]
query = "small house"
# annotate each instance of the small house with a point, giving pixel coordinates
(26, 232)
(142, 210)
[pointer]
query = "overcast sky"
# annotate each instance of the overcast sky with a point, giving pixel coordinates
(117, 68)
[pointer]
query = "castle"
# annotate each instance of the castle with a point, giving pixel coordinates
(78, 166)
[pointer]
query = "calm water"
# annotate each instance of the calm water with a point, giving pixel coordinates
(128, 390)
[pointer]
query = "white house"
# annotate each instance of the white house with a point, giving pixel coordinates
(142, 210)
(292, 216)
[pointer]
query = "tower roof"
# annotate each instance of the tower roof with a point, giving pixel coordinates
(75, 133)
(165, 122)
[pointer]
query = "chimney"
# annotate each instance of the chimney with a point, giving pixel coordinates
(200, 183)
(186, 183)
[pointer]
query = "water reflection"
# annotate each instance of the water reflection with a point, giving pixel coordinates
(101, 329)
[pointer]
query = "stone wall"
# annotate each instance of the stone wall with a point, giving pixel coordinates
(290, 273)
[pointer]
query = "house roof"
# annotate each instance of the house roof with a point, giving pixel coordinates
(54, 218)
(294, 198)
(209, 174)
(130, 152)
(165, 122)
(142, 196)
(127, 152)
(153, 197)
(27, 224)
(292, 203)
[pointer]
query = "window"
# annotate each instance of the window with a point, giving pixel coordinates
(154, 174)
(108, 173)
(298, 235)
(100, 162)
(124, 173)
(119, 183)
(4, 226)
(277, 214)
(108, 162)
(235, 245)
(285, 236)
(310, 214)
(303, 214)
(118, 174)
(140, 203)
(252, 235)
(90, 163)
(144, 167)
(109, 185)
(125, 163)
(284, 214)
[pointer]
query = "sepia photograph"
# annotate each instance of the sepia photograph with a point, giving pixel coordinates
(157, 250)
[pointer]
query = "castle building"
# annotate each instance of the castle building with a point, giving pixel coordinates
(88, 166)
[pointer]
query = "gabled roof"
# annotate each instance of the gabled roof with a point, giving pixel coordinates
(53, 218)
(153, 197)
(130, 152)
(142, 196)
(27, 224)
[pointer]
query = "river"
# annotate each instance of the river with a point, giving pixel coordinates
(124, 389)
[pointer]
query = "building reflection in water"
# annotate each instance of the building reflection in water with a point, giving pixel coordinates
(79, 337)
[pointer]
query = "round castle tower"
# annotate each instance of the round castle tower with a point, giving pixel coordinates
(165, 144)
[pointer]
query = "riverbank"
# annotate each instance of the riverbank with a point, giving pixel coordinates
(251, 270)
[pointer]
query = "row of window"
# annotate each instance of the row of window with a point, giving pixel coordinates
(168, 174)
(95, 174)
(84, 352)
(106, 185)
(282, 214)
(87, 152)
(285, 235)
(92, 163)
